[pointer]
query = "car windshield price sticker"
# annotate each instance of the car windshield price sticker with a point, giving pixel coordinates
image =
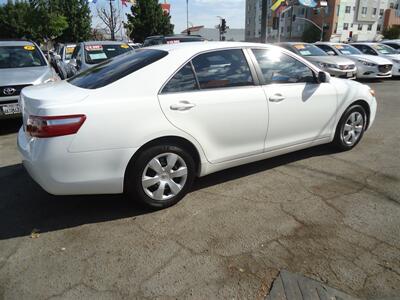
(94, 47)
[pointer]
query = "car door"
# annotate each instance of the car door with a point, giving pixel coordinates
(301, 110)
(214, 98)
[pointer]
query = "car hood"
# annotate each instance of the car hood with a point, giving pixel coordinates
(370, 58)
(22, 76)
(393, 56)
(329, 60)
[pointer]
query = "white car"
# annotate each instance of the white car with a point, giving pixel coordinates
(381, 50)
(368, 66)
(148, 122)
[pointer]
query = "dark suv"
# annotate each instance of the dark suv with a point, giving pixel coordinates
(171, 39)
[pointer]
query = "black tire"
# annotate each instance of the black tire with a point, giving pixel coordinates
(339, 141)
(136, 168)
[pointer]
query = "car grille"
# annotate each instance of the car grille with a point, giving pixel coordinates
(11, 90)
(385, 68)
(347, 67)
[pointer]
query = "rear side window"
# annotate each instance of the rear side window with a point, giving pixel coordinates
(183, 81)
(221, 69)
(116, 68)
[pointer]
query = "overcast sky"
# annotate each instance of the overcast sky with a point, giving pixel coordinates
(201, 12)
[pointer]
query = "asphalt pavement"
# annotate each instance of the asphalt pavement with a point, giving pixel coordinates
(334, 217)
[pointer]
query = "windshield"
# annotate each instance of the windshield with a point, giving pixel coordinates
(383, 49)
(68, 52)
(116, 68)
(95, 54)
(347, 49)
(20, 57)
(308, 50)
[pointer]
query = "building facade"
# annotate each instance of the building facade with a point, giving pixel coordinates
(212, 34)
(345, 20)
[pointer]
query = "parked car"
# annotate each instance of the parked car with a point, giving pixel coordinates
(65, 52)
(395, 44)
(89, 54)
(135, 45)
(171, 39)
(368, 66)
(378, 49)
(197, 108)
(341, 67)
(22, 63)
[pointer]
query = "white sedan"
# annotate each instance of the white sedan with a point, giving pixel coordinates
(150, 121)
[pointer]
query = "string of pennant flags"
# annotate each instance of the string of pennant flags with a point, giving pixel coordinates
(123, 2)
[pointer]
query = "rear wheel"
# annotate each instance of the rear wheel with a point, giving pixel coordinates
(351, 127)
(160, 176)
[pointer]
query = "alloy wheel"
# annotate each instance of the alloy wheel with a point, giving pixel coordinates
(353, 128)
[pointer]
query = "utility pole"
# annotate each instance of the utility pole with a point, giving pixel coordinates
(187, 16)
(112, 22)
(263, 38)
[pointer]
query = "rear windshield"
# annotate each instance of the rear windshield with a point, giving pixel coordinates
(20, 57)
(95, 54)
(116, 68)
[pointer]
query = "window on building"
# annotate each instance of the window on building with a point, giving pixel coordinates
(351, 25)
(302, 11)
(374, 10)
(338, 10)
(381, 12)
(354, 8)
(391, 5)
(345, 26)
(336, 27)
(348, 9)
(364, 10)
(396, 6)
(360, 27)
(379, 28)
(369, 28)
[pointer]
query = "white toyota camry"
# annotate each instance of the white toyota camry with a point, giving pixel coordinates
(150, 121)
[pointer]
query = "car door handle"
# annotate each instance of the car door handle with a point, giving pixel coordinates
(182, 105)
(276, 98)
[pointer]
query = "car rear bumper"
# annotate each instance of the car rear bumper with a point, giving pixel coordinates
(60, 172)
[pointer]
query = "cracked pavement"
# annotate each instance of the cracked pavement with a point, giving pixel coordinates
(334, 217)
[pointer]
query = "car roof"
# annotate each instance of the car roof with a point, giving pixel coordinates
(330, 43)
(15, 43)
(103, 42)
(365, 43)
(293, 43)
(196, 47)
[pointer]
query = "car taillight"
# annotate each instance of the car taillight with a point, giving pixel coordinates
(51, 126)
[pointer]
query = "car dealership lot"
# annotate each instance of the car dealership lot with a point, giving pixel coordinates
(332, 216)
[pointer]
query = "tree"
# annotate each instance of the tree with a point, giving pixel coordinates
(392, 33)
(79, 20)
(14, 20)
(111, 19)
(311, 34)
(47, 19)
(147, 18)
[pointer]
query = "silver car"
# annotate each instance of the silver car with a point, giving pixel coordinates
(65, 52)
(368, 66)
(89, 54)
(395, 44)
(22, 63)
(336, 66)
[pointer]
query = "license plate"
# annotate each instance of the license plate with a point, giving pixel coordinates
(349, 74)
(9, 109)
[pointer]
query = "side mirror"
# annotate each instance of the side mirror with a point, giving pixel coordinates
(72, 62)
(323, 77)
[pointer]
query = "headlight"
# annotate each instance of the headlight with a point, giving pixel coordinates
(325, 65)
(372, 92)
(366, 63)
(397, 61)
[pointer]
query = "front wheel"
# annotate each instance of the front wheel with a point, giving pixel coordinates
(351, 128)
(160, 176)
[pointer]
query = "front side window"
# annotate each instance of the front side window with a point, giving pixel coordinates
(327, 49)
(366, 49)
(221, 69)
(20, 57)
(183, 81)
(278, 67)
(95, 54)
(116, 68)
